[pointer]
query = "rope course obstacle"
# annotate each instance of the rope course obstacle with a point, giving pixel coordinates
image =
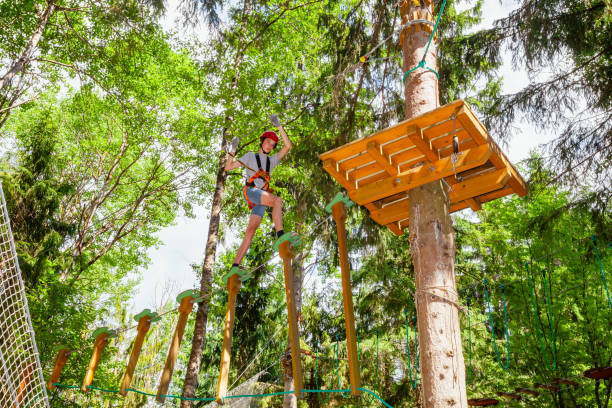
(21, 379)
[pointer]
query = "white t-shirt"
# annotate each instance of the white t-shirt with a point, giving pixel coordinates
(250, 160)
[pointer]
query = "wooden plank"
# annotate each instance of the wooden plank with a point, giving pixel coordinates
(391, 213)
(357, 161)
(415, 134)
(394, 227)
(445, 141)
(479, 185)
(376, 153)
(372, 178)
(499, 159)
(474, 204)
(463, 145)
(495, 194)
(397, 145)
(364, 171)
(420, 175)
(407, 156)
(330, 166)
(468, 120)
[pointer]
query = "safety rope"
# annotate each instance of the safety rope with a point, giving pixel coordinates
(469, 342)
(537, 319)
(603, 276)
(507, 335)
(422, 63)
(271, 394)
(377, 364)
(413, 381)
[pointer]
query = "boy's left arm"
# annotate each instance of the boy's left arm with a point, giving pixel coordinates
(286, 143)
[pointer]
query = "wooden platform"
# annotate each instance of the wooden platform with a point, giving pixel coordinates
(378, 170)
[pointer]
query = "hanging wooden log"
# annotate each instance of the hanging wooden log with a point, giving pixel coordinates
(60, 361)
(598, 373)
(482, 402)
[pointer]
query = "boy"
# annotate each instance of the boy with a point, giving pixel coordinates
(256, 192)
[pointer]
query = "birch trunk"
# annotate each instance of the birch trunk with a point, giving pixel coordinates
(432, 246)
(28, 53)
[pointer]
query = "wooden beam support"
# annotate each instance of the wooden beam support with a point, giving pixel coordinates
(395, 228)
(480, 185)
(384, 161)
(469, 121)
(186, 301)
(286, 253)
(233, 287)
(339, 214)
(102, 335)
(474, 204)
(60, 362)
(415, 134)
(391, 213)
(144, 323)
(331, 167)
(420, 175)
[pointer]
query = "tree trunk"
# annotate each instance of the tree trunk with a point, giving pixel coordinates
(432, 246)
(290, 400)
(27, 54)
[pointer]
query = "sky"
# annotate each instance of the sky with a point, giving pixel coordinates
(184, 242)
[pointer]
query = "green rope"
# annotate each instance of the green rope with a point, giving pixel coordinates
(603, 276)
(377, 364)
(507, 335)
(335, 373)
(413, 382)
(375, 396)
(422, 63)
(469, 342)
(317, 377)
(537, 319)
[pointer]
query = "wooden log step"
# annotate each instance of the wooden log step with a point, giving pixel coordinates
(509, 395)
(528, 391)
(598, 373)
(566, 381)
(482, 402)
(549, 387)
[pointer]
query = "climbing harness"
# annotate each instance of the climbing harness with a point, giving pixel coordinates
(537, 319)
(413, 381)
(262, 174)
(506, 333)
(603, 276)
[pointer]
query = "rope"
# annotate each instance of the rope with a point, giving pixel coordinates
(257, 356)
(493, 328)
(603, 276)
(504, 367)
(377, 363)
(537, 319)
(469, 342)
(422, 64)
(413, 382)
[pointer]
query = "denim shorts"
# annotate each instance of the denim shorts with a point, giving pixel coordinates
(254, 196)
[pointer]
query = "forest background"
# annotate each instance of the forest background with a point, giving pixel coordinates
(113, 128)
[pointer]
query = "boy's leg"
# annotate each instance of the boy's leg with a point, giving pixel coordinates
(254, 222)
(270, 200)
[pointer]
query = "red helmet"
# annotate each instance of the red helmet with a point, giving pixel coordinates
(270, 135)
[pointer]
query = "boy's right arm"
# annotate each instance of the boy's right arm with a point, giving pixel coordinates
(232, 163)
